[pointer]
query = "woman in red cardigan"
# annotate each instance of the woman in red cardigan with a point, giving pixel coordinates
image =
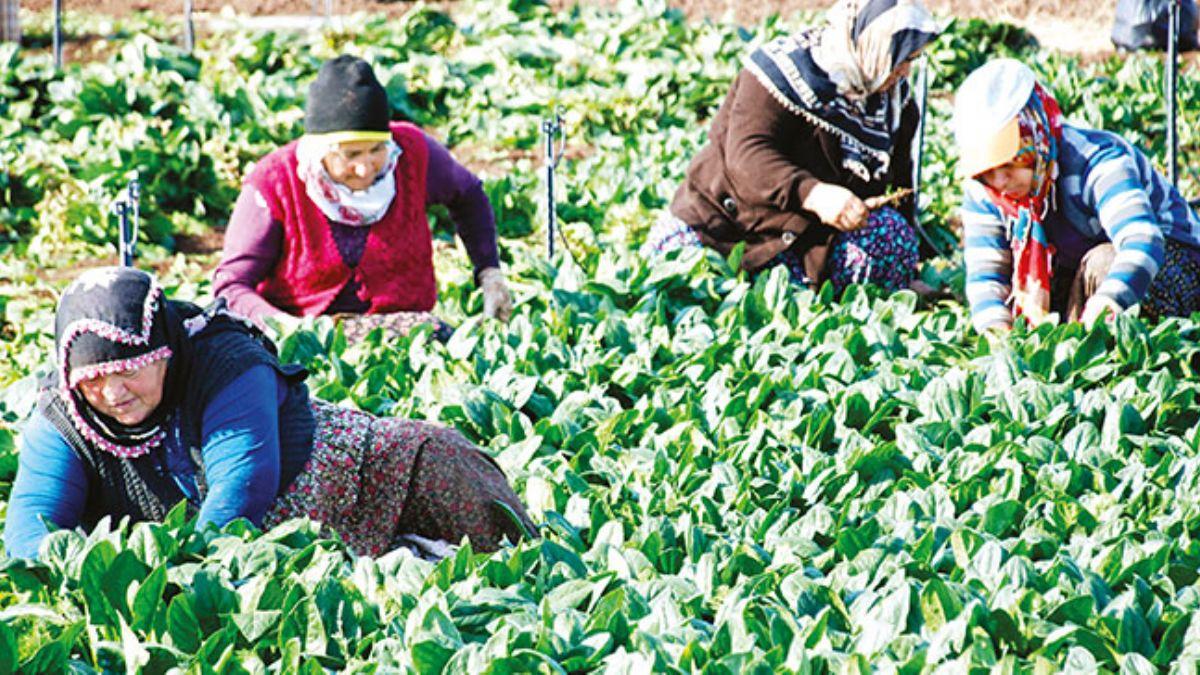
(335, 222)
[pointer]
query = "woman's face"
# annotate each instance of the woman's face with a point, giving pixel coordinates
(1011, 180)
(356, 164)
(901, 71)
(128, 396)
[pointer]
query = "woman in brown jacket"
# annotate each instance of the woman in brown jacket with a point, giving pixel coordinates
(815, 125)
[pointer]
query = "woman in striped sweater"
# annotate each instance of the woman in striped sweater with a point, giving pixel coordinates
(1063, 218)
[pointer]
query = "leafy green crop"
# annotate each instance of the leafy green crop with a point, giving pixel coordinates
(733, 475)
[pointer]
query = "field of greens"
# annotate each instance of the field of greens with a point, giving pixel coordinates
(733, 476)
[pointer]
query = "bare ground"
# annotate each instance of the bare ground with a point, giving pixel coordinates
(1077, 26)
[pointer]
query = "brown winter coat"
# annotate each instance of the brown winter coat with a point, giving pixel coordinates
(760, 163)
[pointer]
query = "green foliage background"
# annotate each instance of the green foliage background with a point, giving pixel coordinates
(735, 476)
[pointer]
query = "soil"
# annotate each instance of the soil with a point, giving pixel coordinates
(252, 7)
(1076, 26)
(209, 241)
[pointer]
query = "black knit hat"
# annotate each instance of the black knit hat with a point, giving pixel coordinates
(346, 96)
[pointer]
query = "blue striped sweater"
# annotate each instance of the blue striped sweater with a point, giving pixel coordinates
(1106, 191)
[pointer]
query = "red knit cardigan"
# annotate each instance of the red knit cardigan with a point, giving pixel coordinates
(396, 270)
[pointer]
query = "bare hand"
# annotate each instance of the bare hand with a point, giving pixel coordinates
(997, 335)
(1098, 307)
(837, 207)
(888, 199)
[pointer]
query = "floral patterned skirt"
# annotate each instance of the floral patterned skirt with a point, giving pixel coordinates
(356, 326)
(374, 480)
(884, 253)
(668, 233)
(1175, 291)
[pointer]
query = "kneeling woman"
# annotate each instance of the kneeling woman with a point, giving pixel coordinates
(815, 126)
(335, 223)
(155, 402)
(1063, 218)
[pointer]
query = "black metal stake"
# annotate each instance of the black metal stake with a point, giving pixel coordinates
(189, 28)
(124, 248)
(133, 193)
(1172, 93)
(551, 127)
(128, 210)
(58, 35)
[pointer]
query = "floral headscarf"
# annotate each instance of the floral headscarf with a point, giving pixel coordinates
(111, 320)
(338, 202)
(1040, 124)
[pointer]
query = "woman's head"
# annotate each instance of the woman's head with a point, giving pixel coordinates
(1005, 127)
(130, 395)
(356, 164)
(116, 343)
(348, 118)
(901, 71)
(1013, 179)
(869, 46)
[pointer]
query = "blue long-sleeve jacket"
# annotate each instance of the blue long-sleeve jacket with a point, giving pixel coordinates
(1107, 191)
(239, 447)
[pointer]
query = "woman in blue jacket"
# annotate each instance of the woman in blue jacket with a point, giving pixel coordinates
(1061, 218)
(155, 402)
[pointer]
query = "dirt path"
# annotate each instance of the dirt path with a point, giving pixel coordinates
(1076, 26)
(255, 7)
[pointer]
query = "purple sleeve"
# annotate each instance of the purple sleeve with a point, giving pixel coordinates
(253, 241)
(455, 187)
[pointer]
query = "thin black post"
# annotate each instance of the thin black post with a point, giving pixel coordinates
(58, 35)
(124, 247)
(128, 210)
(189, 28)
(133, 193)
(1172, 93)
(551, 127)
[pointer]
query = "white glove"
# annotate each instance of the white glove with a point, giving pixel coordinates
(279, 325)
(497, 300)
(836, 206)
(426, 549)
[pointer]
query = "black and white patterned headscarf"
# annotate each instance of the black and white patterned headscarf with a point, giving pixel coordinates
(110, 320)
(832, 75)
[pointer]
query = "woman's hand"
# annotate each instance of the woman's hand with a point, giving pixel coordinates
(1097, 307)
(497, 300)
(837, 207)
(997, 335)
